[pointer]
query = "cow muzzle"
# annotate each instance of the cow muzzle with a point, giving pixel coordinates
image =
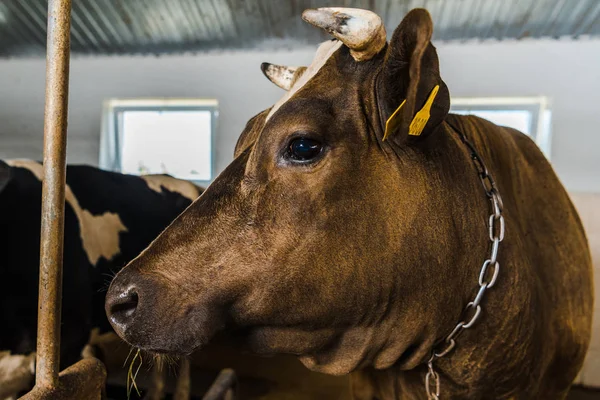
(152, 313)
(121, 307)
(125, 303)
(143, 311)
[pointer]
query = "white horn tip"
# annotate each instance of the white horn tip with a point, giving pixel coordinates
(280, 75)
(362, 31)
(319, 17)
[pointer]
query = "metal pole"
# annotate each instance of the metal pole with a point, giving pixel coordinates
(223, 387)
(53, 193)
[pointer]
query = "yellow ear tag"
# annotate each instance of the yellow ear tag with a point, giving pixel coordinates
(393, 121)
(420, 120)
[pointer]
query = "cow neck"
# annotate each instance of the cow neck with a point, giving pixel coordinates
(487, 275)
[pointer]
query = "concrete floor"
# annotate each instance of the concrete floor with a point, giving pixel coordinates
(577, 393)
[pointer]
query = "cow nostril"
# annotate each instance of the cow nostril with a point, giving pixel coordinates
(124, 307)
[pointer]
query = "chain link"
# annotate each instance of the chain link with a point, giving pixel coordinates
(432, 382)
(487, 275)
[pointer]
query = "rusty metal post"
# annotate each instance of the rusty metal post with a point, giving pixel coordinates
(223, 388)
(53, 193)
(81, 381)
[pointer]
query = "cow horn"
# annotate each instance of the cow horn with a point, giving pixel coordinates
(282, 76)
(362, 31)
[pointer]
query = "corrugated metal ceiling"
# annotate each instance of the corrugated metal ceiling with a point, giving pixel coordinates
(172, 26)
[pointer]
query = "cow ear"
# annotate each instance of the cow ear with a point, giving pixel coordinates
(412, 96)
(5, 175)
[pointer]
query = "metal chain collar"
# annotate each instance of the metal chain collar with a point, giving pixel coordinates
(487, 276)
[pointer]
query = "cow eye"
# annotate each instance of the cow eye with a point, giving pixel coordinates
(304, 149)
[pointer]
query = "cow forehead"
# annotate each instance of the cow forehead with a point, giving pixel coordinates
(325, 51)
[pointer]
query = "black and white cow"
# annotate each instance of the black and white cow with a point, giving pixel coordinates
(109, 219)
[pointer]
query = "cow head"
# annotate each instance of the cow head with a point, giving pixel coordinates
(320, 239)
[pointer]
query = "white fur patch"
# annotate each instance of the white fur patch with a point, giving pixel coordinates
(99, 233)
(324, 53)
(16, 373)
(184, 188)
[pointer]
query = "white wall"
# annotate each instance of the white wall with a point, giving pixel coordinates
(567, 72)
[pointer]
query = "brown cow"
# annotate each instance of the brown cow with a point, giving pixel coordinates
(359, 254)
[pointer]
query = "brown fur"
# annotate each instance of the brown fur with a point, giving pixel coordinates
(362, 260)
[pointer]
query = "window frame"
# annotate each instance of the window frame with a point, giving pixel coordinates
(111, 137)
(538, 106)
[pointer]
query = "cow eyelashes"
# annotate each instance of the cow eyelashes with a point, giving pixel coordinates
(303, 150)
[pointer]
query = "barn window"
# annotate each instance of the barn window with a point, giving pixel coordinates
(160, 136)
(530, 115)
